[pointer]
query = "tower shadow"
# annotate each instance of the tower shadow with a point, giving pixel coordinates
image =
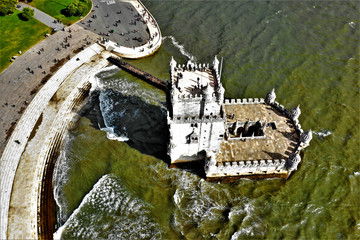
(144, 124)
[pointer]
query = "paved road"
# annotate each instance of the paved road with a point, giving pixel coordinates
(43, 17)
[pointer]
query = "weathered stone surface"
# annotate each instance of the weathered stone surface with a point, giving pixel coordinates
(195, 121)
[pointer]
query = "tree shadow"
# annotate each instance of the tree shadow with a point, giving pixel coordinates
(21, 17)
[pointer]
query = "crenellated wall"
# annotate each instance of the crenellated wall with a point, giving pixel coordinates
(244, 101)
(243, 168)
(276, 166)
(191, 97)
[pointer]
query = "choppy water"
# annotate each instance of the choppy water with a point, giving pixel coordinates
(307, 50)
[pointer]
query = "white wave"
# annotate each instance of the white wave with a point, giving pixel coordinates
(352, 24)
(110, 211)
(106, 108)
(104, 72)
(249, 231)
(313, 209)
(130, 88)
(60, 178)
(249, 225)
(323, 133)
(112, 136)
(177, 197)
(205, 204)
(181, 48)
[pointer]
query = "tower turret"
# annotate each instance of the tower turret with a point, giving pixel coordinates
(306, 137)
(270, 97)
(295, 113)
(293, 162)
(215, 64)
(172, 64)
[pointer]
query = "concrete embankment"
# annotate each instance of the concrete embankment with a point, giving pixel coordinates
(17, 144)
(49, 153)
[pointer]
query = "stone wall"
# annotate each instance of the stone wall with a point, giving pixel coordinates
(243, 168)
(190, 136)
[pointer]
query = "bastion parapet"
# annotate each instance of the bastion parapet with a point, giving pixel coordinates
(253, 137)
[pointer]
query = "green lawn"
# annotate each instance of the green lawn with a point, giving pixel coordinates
(54, 7)
(17, 35)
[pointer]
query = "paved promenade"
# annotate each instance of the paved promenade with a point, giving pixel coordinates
(43, 17)
(117, 21)
(23, 78)
(126, 26)
(13, 151)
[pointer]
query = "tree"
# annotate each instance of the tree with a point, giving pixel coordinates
(27, 13)
(75, 8)
(7, 7)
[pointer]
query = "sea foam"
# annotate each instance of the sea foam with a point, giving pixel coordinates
(109, 210)
(323, 133)
(209, 207)
(180, 47)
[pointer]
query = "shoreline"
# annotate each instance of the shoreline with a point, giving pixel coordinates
(28, 118)
(50, 152)
(13, 152)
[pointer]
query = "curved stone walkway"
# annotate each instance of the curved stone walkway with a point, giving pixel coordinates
(19, 85)
(57, 132)
(10, 158)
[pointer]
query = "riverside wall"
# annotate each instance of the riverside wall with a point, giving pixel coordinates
(48, 155)
(18, 141)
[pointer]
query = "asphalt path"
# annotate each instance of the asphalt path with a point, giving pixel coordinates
(117, 21)
(43, 17)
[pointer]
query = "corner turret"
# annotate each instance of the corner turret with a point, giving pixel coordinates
(293, 162)
(270, 97)
(295, 113)
(172, 65)
(215, 64)
(305, 138)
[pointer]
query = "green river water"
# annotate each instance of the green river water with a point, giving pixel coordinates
(307, 50)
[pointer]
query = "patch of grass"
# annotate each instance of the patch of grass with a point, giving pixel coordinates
(17, 35)
(54, 8)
